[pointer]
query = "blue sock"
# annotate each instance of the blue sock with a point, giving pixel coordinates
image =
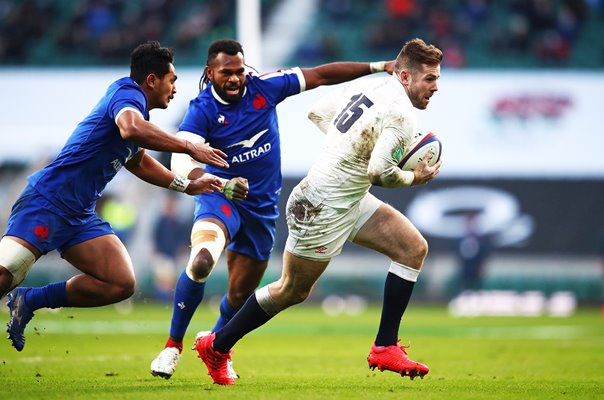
(227, 311)
(248, 318)
(53, 295)
(187, 296)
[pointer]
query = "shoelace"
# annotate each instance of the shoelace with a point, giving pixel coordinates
(219, 360)
(169, 356)
(403, 347)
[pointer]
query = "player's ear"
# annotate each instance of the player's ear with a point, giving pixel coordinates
(151, 80)
(404, 76)
(209, 72)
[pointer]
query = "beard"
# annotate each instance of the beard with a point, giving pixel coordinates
(418, 100)
(231, 98)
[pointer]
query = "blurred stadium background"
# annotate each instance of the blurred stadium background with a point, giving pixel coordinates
(522, 187)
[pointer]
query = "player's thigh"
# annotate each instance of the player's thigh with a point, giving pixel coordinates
(391, 233)
(103, 257)
(317, 231)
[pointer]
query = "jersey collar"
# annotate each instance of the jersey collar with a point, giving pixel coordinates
(400, 88)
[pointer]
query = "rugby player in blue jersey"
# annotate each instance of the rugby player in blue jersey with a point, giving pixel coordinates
(56, 210)
(236, 112)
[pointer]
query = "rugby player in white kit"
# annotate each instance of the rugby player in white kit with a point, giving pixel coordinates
(369, 125)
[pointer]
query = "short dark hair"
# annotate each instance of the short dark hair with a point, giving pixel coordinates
(150, 58)
(416, 53)
(227, 46)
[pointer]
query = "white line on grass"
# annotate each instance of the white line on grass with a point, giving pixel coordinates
(51, 359)
(157, 327)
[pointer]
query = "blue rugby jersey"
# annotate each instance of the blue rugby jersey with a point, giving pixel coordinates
(93, 154)
(248, 132)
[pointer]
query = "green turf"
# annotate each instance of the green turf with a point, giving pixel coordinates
(305, 354)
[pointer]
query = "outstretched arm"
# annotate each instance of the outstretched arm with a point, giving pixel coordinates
(184, 166)
(152, 171)
(338, 72)
(135, 129)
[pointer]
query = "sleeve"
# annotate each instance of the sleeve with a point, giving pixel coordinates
(394, 139)
(195, 120)
(322, 112)
(181, 163)
(127, 98)
(281, 84)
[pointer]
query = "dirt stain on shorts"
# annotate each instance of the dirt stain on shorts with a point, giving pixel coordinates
(302, 210)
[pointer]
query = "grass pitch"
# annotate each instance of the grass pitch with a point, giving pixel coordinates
(304, 354)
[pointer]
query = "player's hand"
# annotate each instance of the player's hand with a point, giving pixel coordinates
(425, 173)
(207, 183)
(236, 189)
(389, 67)
(206, 154)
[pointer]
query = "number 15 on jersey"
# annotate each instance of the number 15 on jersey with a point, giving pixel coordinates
(352, 112)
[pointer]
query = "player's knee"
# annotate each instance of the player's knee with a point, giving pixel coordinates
(412, 253)
(200, 268)
(294, 295)
(299, 296)
(207, 242)
(16, 261)
(417, 253)
(421, 248)
(124, 290)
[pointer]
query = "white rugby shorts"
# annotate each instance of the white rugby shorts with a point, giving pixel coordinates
(319, 232)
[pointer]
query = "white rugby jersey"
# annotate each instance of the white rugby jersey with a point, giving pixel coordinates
(369, 124)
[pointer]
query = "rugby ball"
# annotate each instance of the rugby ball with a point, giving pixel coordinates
(423, 145)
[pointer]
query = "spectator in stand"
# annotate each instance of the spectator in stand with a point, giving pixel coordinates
(170, 238)
(472, 250)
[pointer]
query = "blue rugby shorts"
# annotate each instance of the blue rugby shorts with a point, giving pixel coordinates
(34, 219)
(250, 231)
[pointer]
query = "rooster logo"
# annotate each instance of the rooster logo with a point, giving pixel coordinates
(41, 232)
(259, 102)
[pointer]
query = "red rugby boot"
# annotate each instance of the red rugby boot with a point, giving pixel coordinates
(217, 363)
(394, 358)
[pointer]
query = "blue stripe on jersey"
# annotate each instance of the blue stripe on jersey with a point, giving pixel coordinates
(247, 131)
(93, 154)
